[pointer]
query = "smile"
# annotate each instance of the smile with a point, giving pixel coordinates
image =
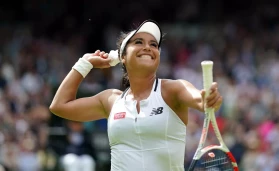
(146, 57)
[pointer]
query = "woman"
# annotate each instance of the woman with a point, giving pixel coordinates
(147, 122)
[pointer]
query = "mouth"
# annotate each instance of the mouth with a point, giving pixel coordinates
(146, 57)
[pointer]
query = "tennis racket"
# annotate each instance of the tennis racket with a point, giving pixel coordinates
(212, 157)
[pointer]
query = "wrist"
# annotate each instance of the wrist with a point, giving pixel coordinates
(83, 66)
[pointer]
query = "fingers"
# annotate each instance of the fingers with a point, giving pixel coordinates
(105, 55)
(101, 54)
(97, 52)
(214, 86)
(214, 102)
(99, 59)
(214, 99)
(203, 93)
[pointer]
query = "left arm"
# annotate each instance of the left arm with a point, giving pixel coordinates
(194, 98)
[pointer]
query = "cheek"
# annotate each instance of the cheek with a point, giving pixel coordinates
(130, 52)
(157, 53)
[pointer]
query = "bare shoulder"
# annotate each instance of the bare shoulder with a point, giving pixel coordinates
(173, 86)
(170, 90)
(177, 92)
(108, 97)
(113, 92)
(110, 94)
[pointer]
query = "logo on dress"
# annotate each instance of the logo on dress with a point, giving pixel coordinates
(120, 115)
(156, 111)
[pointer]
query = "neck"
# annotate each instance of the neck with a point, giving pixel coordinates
(141, 86)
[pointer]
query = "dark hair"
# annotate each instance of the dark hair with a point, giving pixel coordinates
(125, 83)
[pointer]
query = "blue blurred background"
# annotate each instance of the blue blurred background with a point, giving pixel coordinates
(40, 40)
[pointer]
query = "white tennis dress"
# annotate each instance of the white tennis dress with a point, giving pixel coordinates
(152, 140)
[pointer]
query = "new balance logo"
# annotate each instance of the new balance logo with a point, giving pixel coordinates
(157, 111)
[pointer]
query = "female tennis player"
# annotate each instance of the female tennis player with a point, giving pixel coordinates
(146, 122)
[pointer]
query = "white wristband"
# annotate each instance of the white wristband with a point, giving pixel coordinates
(83, 67)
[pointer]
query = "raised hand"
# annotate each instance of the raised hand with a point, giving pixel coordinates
(99, 59)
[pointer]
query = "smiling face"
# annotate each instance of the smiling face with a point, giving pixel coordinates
(142, 53)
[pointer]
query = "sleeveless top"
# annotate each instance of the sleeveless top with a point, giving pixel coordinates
(151, 140)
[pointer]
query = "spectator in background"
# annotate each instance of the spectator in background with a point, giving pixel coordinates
(27, 158)
(79, 154)
(2, 168)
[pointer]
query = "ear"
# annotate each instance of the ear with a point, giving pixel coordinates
(123, 60)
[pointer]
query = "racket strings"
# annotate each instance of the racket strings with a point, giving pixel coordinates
(215, 160)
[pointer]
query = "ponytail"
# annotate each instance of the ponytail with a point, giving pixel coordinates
(125, 83)
(125, 79)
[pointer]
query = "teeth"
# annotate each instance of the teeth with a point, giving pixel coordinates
(146, 56)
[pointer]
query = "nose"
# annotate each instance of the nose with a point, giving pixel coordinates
(146, 47)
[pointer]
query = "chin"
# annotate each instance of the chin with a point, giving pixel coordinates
(148, 65)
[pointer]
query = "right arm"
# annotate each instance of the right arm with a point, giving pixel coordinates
(66, 105)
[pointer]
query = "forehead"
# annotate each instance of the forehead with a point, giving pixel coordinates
(145, 36)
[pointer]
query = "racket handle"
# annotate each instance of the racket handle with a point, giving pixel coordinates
(207, 73)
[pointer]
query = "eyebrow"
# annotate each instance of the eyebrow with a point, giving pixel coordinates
(152, 41)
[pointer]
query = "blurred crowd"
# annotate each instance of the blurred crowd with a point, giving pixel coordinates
(246, 63)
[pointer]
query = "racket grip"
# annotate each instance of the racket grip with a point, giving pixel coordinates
(207, 67)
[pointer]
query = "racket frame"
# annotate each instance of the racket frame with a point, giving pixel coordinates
(207, 67)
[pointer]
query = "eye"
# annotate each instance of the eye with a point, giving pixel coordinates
(138, 42)
(154, 44)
